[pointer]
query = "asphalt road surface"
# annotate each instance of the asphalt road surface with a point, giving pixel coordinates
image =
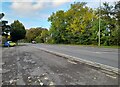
(27, 65)
(106, 56)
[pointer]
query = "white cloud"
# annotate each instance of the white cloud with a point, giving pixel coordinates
(32, 7)
(60, 2)
(26, 6)
(96, 3)
(109, 0)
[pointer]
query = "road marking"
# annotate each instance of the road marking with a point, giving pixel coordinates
(97, 52)
(111, 76)
(100, 52)
(105, 52)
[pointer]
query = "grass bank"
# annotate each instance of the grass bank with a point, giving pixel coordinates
(116, 47)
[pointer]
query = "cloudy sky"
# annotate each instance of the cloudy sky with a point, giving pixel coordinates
(34, 13)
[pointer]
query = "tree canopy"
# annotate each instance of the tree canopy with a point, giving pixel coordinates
(80, 24)
(17, 31)
(37, 34)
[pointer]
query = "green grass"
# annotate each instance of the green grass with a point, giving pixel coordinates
(1, 45)
(116, 47)
(109, 46)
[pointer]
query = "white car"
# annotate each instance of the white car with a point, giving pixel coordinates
(33, 42)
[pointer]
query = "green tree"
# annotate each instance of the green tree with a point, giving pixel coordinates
(57, 29)
(116, 14)
(80, 24)
(69, 26)
(107, 25)
(17, 31)
(33, 33)
(108, 28)
(38, 39)
(37, 34)
(44, 36)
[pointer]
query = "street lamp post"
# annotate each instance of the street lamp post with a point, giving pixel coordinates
(99, 23)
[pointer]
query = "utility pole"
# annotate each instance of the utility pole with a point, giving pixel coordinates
(99, 23)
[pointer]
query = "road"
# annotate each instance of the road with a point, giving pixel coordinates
(106, 56)
(27, 65)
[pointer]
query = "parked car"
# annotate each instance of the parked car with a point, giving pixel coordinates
(9, 44)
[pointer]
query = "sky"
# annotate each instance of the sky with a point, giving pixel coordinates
(35, 13)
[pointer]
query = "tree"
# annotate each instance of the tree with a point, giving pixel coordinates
(69, 26)
(32, 34)
(116, 14)
(38, 34)
(17, 31)
(110, 17)
(38, 39)
(117, 11)
(44, 35)
(108, 26)
(80, 24)
(57, 29)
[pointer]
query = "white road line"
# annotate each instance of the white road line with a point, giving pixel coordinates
(104, 52)
(97, 52)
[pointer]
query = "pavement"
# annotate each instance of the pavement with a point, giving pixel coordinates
(27, 65)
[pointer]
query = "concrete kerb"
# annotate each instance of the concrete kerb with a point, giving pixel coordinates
(93, 64)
